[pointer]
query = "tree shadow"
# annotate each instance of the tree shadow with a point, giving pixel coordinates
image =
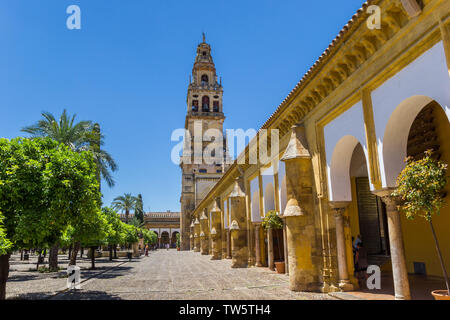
(20, 278)
(86, 295)
(110, 274)
(33, 296)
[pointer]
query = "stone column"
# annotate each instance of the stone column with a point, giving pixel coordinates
(286, 255)
(238, 227)
(339, 209)
(204, 234)
(303, 250)
(270, 249)
(258, 244)
(191, 237)
(398, 258)
(196, 235)
(216, 231)
(228, 253)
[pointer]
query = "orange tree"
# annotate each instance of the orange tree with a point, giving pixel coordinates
(44, 188)
(420, 187)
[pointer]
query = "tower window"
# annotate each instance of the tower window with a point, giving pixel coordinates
(195, 105)
(216, 106)
(205, 80)
(204, 53)
(205, 104)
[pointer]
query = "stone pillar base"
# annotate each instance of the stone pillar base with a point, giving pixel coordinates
(346, 285)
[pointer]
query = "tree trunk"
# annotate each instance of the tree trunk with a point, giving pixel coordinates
(81, 252)
(21, 255)
(53, 258)
(70, 252)
(279, 238)
(110, 252)
(441, 260)
(115, 251)
(127, 213)
(93, 257)
(39, 260)
(4, 272)
(73, 258)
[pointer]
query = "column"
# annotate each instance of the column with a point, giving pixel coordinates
(398, 258)
(303, 251)
(258, 245)
(191, 236)
(286, 255)
(216, 231)
(228, 254)
(204, 234)
(339, 209)
(270, 249)
(238, 227)
(196, 235)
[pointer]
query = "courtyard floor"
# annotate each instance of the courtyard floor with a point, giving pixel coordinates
(164, 275)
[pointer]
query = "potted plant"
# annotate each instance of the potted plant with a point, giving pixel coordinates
(178, 242)
(272, 221)
(420, 187)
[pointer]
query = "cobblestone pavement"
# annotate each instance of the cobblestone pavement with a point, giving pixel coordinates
(24, 282)
(173, 275)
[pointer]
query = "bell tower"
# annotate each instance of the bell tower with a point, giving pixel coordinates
(204, 112)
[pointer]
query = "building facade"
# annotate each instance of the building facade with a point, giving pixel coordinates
(166, 225)
(374, 97)
(204, 118)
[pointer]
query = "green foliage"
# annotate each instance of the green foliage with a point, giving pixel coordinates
(150, 237)
(116, 234)
(44, 188)
(131, 234)
(272, 220)
(139, 209)
(5, 243)
(136, 222)
(178, 240)
(420, 186)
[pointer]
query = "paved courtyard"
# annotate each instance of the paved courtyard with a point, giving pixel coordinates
(164, 275)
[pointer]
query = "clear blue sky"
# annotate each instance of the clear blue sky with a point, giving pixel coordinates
(129, 65)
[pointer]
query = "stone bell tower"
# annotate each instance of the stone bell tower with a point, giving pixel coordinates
(201, 170)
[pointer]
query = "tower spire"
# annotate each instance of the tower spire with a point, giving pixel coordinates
(204, 37)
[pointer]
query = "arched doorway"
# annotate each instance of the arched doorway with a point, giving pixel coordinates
(165, 239)
(174, 239)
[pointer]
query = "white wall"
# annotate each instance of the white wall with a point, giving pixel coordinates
(341, 137)
(422, 81)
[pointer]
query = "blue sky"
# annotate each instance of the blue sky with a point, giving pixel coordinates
(128, 69)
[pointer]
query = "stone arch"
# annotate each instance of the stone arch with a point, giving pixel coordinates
(339, 169)
(395, 138)
(269, 198)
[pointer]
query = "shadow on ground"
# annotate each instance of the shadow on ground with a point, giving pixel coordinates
(86, 295)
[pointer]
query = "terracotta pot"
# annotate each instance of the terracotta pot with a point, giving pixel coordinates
(440, 295)
(178, 249)
(280, 266)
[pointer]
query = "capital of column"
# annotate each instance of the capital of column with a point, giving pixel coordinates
(339, 207)
(386, 196)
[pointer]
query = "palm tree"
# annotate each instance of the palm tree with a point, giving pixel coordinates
(80, 136)
(125, 203)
